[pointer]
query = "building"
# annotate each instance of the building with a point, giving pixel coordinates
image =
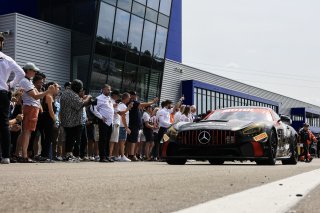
(131, 45)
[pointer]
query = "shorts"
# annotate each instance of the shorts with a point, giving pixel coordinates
(30, 118)
(122, 134)
(148, 133)
(115, 133)
(141, 137)
(91, 132)
(133, 137)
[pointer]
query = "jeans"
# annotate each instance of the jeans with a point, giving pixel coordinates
(80, 148)
(4, 123)
(105, 132)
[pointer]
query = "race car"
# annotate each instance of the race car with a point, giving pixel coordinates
(233, 134)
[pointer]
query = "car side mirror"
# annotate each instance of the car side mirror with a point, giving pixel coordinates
(286, 119)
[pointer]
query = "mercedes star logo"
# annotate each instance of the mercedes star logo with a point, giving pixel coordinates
(204, 137)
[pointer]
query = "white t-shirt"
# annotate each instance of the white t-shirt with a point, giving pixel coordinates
(177, 117)
(116, 117)
(122, 107)
(27, 86)
(184, 118)
(146, 117)
(164, 117)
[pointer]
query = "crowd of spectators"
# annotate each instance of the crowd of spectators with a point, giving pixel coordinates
(41, 122)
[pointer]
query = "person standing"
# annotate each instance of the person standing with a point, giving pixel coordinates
(105, 112)
(49, 122)
(124, 125)
(148, 127)
(71, 113)
(7, 65)
(306, 137)
(135, 122)
(31, 105)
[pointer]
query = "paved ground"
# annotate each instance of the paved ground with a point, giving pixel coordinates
(131, 187)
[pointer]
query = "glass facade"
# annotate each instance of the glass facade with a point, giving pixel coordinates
(130, 46)
(119, 42)
(206, 100)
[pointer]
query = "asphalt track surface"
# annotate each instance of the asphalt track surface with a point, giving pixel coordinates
(136, 186)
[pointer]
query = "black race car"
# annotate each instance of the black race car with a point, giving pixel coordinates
(237, 133)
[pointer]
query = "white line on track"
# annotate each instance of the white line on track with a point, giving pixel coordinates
(277, 196)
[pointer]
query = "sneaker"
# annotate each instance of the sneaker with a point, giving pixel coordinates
(97, 158)
(91, 158)
(71, 159)
(124, 159)
(116, 158)
(85, 158)
(5, 161)
(110, 159)
(59, 158)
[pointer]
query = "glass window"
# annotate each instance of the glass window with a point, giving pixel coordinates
(138, 9)
(143, 82)
(99, 74)
(129, 78)
(165, 7)
(160, 44)
(213, 100)
(163, 20)
(217, 100)
(154, 4)
(148, 38)
(144, 2)
(105, 28)
(121, 28)
(125, 4)
(204, 101)
(115, 74)
(113, 2)
(209, 106)
(134, 41)
(151, 15)
(154, 84)
(135, 33)
(199, 106)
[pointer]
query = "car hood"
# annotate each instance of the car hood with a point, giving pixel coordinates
(233, 125)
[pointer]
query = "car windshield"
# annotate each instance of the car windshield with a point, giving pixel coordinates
(247, 114)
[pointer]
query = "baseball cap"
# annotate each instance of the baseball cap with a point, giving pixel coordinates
(306, 125)
(31, 66)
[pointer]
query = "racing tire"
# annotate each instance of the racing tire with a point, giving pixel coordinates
(272, 149)
(294, 158)
(216, 162)
(271, 152)
(176, 161)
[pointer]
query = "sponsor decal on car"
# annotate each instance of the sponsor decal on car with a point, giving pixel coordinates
(260, 136)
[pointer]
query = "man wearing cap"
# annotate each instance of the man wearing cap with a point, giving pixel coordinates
(306, 137)
(7, 65)
(31, 105)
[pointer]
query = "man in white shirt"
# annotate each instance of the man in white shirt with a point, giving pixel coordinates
(31, 105)
(7, 65)
(105, 112)
(164, 121)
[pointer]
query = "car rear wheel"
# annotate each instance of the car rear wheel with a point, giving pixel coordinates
(216, 162)
(272, 149)
(176, 161)
(293, 160)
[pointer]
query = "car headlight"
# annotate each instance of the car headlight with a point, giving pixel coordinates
(252, 130)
